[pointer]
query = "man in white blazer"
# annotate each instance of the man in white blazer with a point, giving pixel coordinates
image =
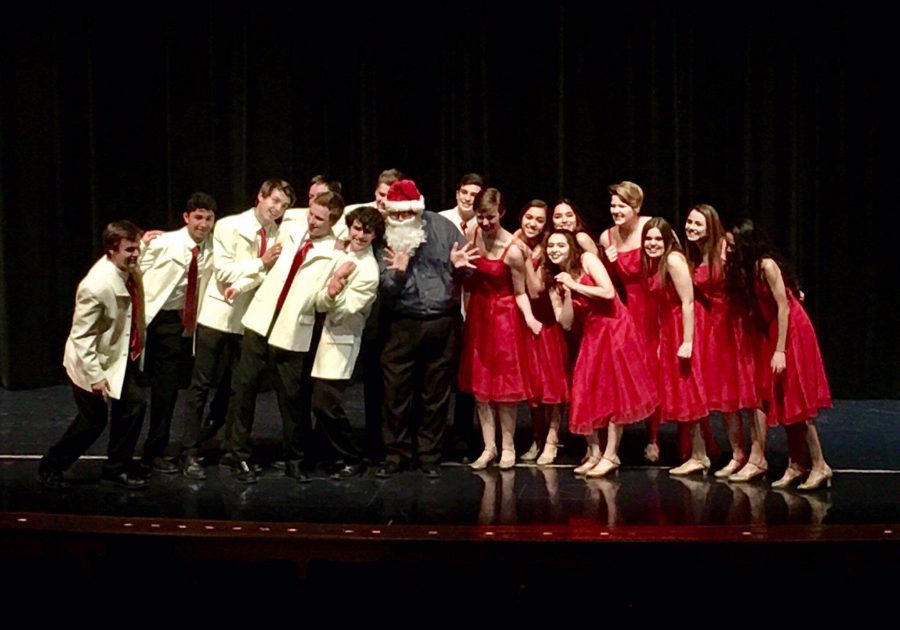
(279, 327)
(245, 246)
(346, 300)
(461, 444)
(175, 267)
(101, 359)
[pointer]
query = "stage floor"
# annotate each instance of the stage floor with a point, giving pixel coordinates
(518, 545)
(861, 439)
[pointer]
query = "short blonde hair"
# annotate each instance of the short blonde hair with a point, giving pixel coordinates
(629, 192)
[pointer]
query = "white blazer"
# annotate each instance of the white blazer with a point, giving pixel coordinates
(97, 347)
(164, 262)
(236, 262)
(346, 316)
(294, 327)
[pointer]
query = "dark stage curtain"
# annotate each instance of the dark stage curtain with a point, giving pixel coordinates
(780, 112)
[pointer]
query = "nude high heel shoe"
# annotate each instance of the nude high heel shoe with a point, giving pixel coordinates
(749, 472)
(603, 468)
(791, 474)
(531, 454)
(730, 468)
(690, 467)
(548, 455)
(816, 479)
(507, 459)
(587, 464)
(485, 459)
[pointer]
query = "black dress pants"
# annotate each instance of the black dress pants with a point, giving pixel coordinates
(332, 424)
(167, 365)
(417, 364)
(216, 356)
(124, 417)
(289, 372)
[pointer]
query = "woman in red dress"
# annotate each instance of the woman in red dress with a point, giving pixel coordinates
(611, 384)
(494, 365)
(790, 374)
(549, 352)
(622, 245)
(681, 391)
(727, 358)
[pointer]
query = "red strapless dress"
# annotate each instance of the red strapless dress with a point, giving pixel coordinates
(549, 354)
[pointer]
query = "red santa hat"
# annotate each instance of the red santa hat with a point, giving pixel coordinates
(403, 196)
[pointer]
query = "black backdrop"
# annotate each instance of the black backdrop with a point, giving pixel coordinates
(782, 113)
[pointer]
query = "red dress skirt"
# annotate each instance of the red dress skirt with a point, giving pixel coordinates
(494, 365)
(549, 354)
(611, 381)
(727, 357)
(798, 393)
(681, 391)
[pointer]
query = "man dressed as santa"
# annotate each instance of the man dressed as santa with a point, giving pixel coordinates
(422, 267)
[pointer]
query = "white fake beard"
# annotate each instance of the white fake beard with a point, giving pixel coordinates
(405, 235)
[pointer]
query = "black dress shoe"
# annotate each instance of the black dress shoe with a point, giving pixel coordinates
(123, 479)
(294, 470)
(53, 480)
(163, 466)
(387, 469)
(191, 468)
(348, 471)
(243, 471)
(141, 469)
(431, 470)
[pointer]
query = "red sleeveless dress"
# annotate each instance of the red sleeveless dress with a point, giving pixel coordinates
(681, 391)
(797, 394)
(727, 357)
(494, 365)
(611, 381)
(549, 353)
(637, 299)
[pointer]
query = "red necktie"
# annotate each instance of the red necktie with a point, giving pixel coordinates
(189, 314)
(462, 224)
(262, 241)
(135, 345)
(299, 257)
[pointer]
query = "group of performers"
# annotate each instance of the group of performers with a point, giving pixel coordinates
(638, 325)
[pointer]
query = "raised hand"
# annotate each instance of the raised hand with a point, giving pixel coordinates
(271, 256)
(463, 257)
(398, 261)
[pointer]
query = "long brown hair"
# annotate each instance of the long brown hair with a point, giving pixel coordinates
(710, 246)
(670, 243)
(550, 269)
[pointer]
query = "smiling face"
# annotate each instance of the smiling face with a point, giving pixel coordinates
(465, 197)
(199, 222)
(269, 209)
(381, 197)
(488, 218)
(564, 217)
(318, 221)
(126, 255)
(654, 244)
(695, 226)
(533, 221)
(360, 236)
(558, 250)
(620, 211)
